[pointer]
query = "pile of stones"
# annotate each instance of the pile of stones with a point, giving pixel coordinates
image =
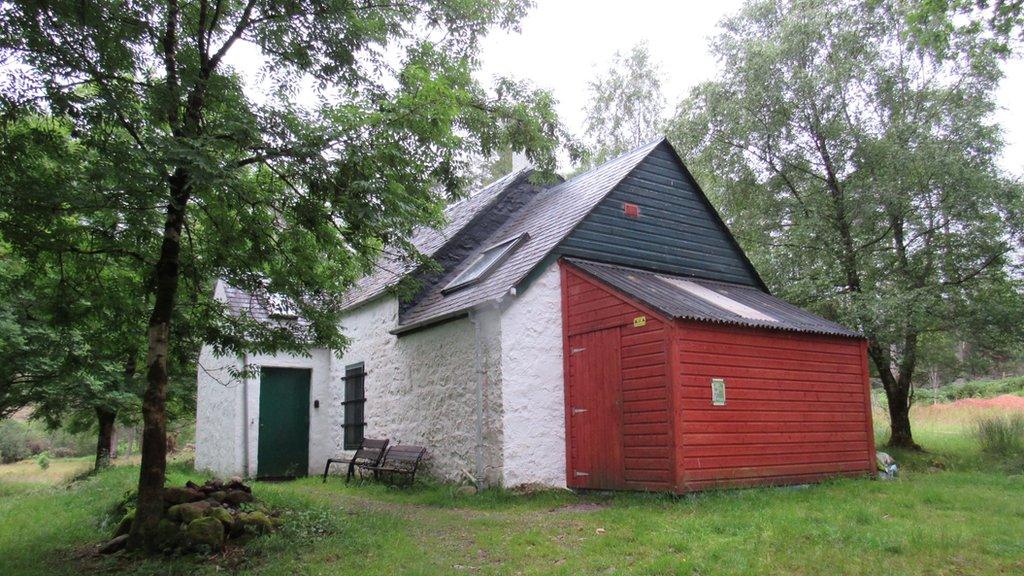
(203, 518)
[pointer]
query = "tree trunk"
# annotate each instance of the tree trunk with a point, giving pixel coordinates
(899, 418)
(900, 435)
(897, 393)
(105, 441)
(150, 508)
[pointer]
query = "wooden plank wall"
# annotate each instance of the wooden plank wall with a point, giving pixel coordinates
(677, 230)
(647, 442)
(797, 407)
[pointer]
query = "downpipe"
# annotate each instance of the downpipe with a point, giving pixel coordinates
(481, 383)
(245, 415)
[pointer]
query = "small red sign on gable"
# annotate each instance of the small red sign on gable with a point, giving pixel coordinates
(631, 210)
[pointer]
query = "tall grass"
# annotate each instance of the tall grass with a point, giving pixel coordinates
(1001, 435)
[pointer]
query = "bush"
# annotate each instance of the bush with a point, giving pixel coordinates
(971, 389)
(20, 440)
(43, 460)
(64, 444)
(1001, 436)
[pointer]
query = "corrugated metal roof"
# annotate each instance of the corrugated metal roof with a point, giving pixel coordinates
(710, 301)
(547, 219)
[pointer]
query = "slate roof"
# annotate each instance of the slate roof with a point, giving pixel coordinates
(429, 240)
(658, 291)
(548, 218)
(259, 307)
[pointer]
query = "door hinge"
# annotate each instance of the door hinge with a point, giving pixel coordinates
(575, 350)
(576, 411)
(577, 473)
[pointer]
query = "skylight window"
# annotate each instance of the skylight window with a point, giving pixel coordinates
(484, 263)
(719, 300)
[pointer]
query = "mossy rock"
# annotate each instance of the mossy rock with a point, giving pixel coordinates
(236, 497)
(125, 525)
(174, 495)
(221, 514)
(218, 495)
(188, 512)
(257, 522)
(206, 532)
(169, 534)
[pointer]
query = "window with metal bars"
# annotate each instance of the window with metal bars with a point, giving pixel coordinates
(355, 403)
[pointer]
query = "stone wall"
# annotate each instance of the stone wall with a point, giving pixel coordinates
(422, 387)
(496, 373)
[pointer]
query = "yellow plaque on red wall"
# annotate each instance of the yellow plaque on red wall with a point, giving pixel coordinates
(639, 321)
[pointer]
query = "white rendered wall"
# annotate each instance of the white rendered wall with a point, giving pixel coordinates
(218, 415)
(532, 384)
(421, 388)
(225, 406)
(227, 409)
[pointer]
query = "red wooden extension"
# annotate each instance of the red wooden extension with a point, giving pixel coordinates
(638, 402)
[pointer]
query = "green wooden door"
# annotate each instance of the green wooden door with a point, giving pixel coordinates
(284, 423)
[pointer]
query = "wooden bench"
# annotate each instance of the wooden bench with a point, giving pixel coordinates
(370, 453)
(399, 465)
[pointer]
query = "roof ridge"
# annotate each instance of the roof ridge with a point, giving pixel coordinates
(481, 189)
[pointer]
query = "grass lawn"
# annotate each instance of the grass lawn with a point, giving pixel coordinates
(966, 519)
(29, 473)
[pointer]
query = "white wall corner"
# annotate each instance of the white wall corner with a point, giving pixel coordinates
(532, 384)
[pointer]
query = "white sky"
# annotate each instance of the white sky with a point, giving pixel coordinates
(565, 43)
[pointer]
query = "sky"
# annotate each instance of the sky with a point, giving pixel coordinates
(565, 43)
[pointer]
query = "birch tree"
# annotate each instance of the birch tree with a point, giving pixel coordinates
(858, 167)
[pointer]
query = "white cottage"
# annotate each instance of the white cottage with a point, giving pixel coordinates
(473, 367)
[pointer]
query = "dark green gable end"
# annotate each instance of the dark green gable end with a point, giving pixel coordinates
(676, 231)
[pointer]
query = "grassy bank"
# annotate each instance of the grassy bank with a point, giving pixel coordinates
(965, 519)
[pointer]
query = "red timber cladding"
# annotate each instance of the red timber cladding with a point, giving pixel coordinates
(647, 442)
(797, 406)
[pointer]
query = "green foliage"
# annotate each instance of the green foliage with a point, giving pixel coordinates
(77, 306)
(936, 22)
(282, 198)
(43, 460)
(1001, 435)
(181, 175)
(626, 106)
(17, 441)
(972, 389)
(21, 440)
(858, 169)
